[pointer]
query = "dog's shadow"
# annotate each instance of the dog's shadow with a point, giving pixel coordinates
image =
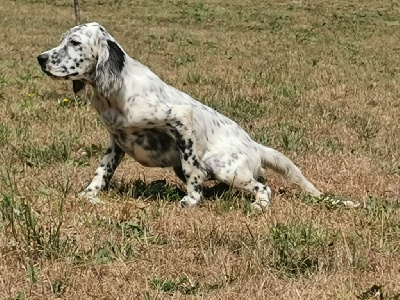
(162, 190)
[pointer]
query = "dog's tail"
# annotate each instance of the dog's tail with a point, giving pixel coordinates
(278, 162)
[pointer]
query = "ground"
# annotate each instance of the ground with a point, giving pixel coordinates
(317, 80)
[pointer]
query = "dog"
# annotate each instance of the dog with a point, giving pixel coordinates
(160, 126)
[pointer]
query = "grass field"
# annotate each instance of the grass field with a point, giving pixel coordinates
(317, 80)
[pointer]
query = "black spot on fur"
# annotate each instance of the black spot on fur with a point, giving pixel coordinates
(179, 172)
(108, 70)
(196, 163)
(122, 135)
(197, 188)
(190, 144)
(118, 153)
(116, 58)
(158, 141)
(140, 138)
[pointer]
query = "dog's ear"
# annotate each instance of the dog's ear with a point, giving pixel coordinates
(77, 86)
(110, 63)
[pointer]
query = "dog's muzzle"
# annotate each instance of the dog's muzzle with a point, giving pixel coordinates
(42, 59)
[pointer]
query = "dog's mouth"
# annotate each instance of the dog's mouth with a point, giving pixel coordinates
(57, 77)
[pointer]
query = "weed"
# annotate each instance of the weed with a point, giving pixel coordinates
(71, 102)
(88, 152)
(330, 201)
(33, 274)
(241, 108)
(130, 229)
(4, 134)
(333, 145)
(22, 224)
(41, 156)
(233, 200)
(298, 248)
(292, 138)
(183, 38)
(168, 285)
(285, 90)
(40, 237)
(58, 287)
(20, 296)
(4, 79)
(195, 78)
(198, 11)
(378, 208)
(366, 128)
(103, 256)
(376, 292)
(185, 59)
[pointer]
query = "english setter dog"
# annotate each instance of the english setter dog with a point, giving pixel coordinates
(158, 125)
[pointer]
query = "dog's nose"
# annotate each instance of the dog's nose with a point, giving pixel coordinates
(42, 59)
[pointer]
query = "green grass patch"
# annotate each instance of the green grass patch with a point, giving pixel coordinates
(298, 248)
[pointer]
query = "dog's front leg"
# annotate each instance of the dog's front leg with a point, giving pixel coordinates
(105, 171)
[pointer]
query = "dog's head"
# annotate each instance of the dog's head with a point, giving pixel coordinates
(86, 54)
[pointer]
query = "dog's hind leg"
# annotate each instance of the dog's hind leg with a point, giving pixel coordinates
(105, 171)
(245, 181)
(235, 168)
(192, 169)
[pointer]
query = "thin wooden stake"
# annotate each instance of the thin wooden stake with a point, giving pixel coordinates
(77, 12)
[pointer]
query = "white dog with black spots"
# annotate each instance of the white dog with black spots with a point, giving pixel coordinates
(160, 126)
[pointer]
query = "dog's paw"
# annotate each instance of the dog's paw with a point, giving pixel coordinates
(261, 205)
(187, 202)
(87, 194)
(262, 200)
(90, 195)
(94, 200)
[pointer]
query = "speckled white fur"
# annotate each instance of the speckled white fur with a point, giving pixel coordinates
(160, 126)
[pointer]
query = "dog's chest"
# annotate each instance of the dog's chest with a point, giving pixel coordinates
(150, 147)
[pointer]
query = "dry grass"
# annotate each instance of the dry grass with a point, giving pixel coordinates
(316, 79)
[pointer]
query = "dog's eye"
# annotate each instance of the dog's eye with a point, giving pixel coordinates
(75, 43)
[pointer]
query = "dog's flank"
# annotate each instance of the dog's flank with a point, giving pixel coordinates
(160, 126)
